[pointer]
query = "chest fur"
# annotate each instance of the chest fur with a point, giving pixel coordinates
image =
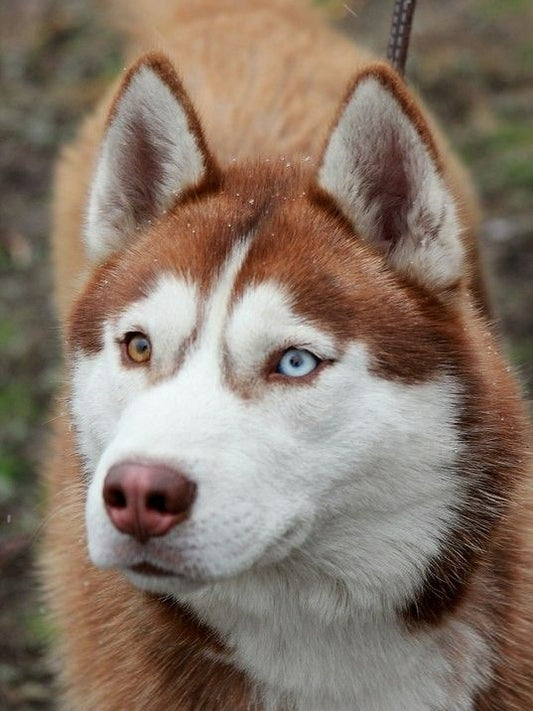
(365, 663)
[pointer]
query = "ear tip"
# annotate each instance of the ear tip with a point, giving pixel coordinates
(155, 60)
(388, 79)
(158, 65)
(382, 71)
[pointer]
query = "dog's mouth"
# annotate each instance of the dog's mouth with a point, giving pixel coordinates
(158, 580)
(152, 570)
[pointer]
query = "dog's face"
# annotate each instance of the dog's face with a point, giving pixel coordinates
(263, 368)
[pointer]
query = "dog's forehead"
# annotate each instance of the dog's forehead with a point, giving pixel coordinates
(263, 227)
(265, 209)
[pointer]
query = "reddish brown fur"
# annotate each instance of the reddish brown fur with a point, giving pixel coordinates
(299, 99)
(162, 658)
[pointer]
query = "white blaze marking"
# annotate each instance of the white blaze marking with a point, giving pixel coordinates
(218, 304)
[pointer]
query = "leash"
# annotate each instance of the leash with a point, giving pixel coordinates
(400, 31)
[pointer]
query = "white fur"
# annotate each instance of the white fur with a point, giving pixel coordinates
(372, 122)
(261, 322)
(150, 107)
(310, 648)
(170, 311)
(319, 505)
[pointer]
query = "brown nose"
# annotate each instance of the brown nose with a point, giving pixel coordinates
(146, 500)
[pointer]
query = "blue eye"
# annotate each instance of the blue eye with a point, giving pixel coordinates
(297, 362)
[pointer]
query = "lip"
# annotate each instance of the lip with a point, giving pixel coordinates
(151, 570)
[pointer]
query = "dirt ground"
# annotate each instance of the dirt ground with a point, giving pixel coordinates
(473, 63)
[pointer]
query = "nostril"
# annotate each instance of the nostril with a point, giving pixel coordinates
(175, 499)
(157, 502)
(115, 497)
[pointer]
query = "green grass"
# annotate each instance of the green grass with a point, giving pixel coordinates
(8, 333)
(17, 406)
(521, 352)
(502, 159)
(494, 10)
(38, 627)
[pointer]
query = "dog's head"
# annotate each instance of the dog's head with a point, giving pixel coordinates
(266, 366)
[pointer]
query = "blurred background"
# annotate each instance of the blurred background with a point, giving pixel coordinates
(473, 63)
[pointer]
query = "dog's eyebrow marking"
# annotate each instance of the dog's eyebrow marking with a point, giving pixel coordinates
(170, 308)
(216, 309)
(263, 319)
(168, 315)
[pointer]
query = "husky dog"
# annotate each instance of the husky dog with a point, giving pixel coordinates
(291, 471)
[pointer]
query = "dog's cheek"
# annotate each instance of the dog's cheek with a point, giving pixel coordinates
(101, 389)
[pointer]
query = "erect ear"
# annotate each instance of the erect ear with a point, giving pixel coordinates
(153, 150)
(382, 169)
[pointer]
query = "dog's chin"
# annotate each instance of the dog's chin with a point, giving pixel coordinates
(154, 579)
(160, 570)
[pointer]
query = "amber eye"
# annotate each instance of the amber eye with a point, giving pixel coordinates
(138, 347)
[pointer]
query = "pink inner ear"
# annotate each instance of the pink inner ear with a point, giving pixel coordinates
(153, 152)
(140, 173)
(388, 193)
(382, 169)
